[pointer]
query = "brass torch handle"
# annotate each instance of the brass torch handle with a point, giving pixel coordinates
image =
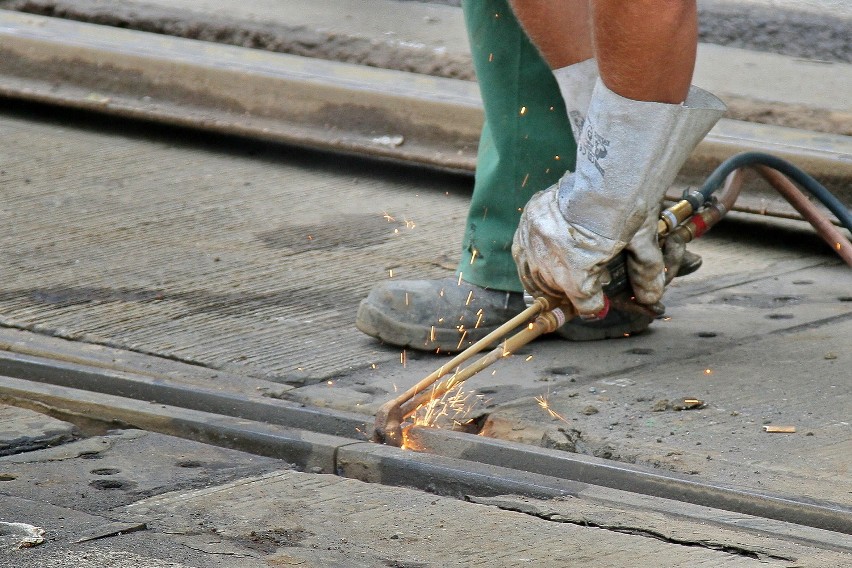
(538, 305)
(544, 323)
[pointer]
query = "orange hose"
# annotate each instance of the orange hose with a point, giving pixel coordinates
(825, 228)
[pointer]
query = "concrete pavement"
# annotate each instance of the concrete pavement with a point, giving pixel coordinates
(222, 262)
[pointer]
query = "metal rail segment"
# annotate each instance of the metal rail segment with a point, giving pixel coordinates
(328, 105)
(303, 436)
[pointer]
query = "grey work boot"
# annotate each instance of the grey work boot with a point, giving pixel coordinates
(448, 316)
(432, 315)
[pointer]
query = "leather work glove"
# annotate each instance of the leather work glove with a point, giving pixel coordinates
(561, 259)
(628, 154)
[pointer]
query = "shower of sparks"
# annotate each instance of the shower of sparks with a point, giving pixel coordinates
(409, 224)
(556, 158)
(469, 298)
(526, 179)
(523, 110)
(403, 358)
(545, 404)
(479, 315)
(708, 371)
(388, 217)
(406, 298)
(490, 57)
(432, 334)
(529, 358)
(460, 279)
(390, 273)
(473, 255)
(451, 410)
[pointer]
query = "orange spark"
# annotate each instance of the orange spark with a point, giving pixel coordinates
(545, 404)
(461, 340)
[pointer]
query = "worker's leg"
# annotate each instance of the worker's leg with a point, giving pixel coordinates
(526, 144)
(645, 48)
(635, 137)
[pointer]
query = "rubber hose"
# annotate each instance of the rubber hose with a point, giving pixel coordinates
(806, 181)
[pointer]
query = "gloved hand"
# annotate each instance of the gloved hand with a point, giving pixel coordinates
(565, 259)
(629, 152)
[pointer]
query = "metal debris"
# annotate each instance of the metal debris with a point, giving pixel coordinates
(780, 429)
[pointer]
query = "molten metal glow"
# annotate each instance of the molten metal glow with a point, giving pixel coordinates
(450, 411)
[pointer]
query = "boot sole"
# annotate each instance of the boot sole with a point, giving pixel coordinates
(373, 322)
(586, 332)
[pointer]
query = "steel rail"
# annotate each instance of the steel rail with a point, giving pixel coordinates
(317, 438)
(322, 104)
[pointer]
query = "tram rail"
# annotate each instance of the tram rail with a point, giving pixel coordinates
(447, 462)
(327, 105)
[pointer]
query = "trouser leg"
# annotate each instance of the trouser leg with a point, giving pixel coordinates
(526, 143)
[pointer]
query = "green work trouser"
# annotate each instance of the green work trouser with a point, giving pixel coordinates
(526, 143)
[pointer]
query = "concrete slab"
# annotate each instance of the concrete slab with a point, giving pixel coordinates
(23, 430)
(208, 253)
(103, 472)
(339, 521)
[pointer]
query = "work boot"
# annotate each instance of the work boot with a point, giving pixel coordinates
(448, 315)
